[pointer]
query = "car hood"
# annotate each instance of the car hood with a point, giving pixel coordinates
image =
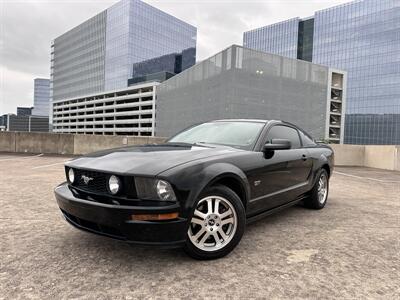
(148, 160)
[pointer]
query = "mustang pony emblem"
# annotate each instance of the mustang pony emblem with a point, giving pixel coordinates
(86, 179)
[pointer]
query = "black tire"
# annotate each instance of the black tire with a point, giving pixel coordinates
(237, 205)
(313, 201)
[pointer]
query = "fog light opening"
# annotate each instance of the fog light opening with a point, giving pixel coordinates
(155, 217)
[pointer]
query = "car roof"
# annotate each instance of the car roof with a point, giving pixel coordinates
(242, 120)
(258, 121)
(255, 121)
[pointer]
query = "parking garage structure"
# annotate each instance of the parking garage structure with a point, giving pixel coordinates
(129, 111)
(244, 83)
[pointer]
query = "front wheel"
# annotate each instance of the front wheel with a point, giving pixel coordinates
(319, 193)
(217, 224)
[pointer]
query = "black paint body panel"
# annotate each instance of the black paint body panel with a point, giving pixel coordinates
(267, 183)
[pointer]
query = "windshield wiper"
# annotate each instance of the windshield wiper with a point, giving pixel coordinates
(216, 144)
(182, 144)
(204, 144)
(177, 144)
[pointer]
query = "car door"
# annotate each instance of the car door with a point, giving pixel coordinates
(282, 177)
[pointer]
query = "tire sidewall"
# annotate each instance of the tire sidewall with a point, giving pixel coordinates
(237, 204)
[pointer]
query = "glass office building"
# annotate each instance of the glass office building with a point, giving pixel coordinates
(162, 67)
(280, 38)
(98, 54)
(77, 59)
(361, 37)
(41, 97)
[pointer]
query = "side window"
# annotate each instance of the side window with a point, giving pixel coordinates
(306, 139)
(284, 132)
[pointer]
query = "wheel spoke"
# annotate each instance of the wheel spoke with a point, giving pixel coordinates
(225, 214)
(216, 206)
(217, 239)
(198, 221)
(223, 234)
(204, 238)
(198, 234)
(227, 221)
(209, 206)
(199, 214)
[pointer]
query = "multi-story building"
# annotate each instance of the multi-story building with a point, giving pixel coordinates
(361, 37)
(128, 111)
(29, 123)
(280, 38)
(162, 67)
(41, 97)
(244, 83)
(92, 63)
(24, 111)
(98, 55)
(3, 123)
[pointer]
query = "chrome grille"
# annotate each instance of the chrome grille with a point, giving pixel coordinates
(97, 182)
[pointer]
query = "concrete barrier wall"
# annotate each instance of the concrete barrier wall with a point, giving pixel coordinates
(90, 143)
(70, 144)
(349, 155)
(373, 156)
(35, 142)
(382, 157)
(7, 141)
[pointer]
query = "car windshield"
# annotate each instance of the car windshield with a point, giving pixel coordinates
(235, 134)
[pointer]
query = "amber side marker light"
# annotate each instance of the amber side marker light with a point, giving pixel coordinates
(155, 217)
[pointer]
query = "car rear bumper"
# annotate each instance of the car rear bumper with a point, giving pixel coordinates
(115, 220)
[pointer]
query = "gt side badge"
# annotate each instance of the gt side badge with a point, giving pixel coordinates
(257, 182)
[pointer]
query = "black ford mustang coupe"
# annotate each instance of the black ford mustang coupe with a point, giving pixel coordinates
(200, 188)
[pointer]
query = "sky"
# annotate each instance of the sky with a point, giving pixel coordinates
(27, 28)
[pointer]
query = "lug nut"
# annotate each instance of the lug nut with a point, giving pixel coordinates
(217, 224)
(211, 229)
(215, 217)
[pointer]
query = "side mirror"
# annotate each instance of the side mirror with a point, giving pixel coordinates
(277, 144)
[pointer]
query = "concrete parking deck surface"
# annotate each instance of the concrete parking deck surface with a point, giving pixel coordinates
(348, 250)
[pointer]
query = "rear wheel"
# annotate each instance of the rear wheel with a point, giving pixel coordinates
(217, 224)
(319, 193)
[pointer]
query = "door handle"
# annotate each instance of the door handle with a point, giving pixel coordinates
(304, 157)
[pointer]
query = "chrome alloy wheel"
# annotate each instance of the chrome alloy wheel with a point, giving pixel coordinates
(213, 224)
(322, 188)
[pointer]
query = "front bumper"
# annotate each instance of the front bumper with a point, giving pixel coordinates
(115, 220)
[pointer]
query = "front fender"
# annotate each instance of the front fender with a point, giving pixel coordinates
(194, 180)
(218, 171)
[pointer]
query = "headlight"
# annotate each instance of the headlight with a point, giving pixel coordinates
(165, 191)
(71, 175)
(154, 189)
(114, 184)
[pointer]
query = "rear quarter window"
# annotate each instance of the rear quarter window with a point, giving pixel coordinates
(306, 139)
(284, 132)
